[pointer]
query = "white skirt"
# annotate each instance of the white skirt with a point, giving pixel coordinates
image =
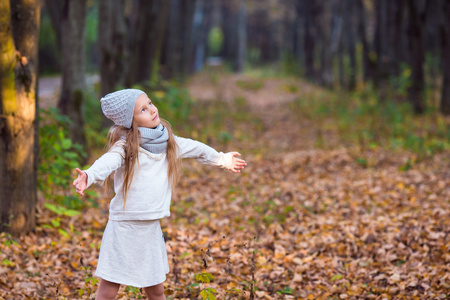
(133, 253)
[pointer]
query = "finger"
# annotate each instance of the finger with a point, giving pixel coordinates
(233, 170)
(75, 182)
(235, 153)
(79, 172)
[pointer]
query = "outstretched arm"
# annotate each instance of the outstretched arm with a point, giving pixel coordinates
(207, 155)
(80, 183)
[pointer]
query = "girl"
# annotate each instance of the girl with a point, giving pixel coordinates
(145, 156)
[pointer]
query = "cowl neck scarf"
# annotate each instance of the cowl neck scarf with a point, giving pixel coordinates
(154, 140)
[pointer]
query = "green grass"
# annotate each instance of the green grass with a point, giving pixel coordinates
(360, 118)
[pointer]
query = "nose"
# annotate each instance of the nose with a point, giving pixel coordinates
(153, 109)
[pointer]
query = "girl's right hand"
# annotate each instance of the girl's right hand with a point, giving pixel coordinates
(81, 182)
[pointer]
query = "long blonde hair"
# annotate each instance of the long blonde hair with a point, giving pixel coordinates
(131, 152)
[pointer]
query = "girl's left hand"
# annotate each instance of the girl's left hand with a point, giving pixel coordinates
(237, 164)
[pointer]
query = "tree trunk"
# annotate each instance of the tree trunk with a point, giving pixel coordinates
(381, 47)
(362, 36)
(242, 37)
(186, 49)
(445, 52)
(18, 114)
(146, 42)
(229, 24)
(350, 41)
(71, 101)
(202, 25)
(398, 36)
(417, 89)
(309, 13)
(163, 15)
(197, 36)
(54, 8)
(112, 44)
(298, 32)
(179, 45)
(326, 76)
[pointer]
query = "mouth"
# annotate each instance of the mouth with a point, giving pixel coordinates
(155, 117)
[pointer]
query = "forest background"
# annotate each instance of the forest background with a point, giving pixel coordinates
(340, 107)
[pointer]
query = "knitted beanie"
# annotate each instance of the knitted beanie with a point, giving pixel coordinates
(119, 106)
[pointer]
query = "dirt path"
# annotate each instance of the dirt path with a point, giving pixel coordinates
(269, 100)
(49, 89)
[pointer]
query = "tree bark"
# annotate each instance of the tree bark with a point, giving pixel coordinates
(19, 30)
(187, 47)
(350, 41)
(71, 101)
(381, 46)
(242, 37)
(309, 13)
(326, 74)
(417, 58)
(362, 36)
(445, 53)
(146, 43)
(202, 26)
(179, 45)
(112, 44)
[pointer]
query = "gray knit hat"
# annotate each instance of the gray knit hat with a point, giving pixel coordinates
(119, 106)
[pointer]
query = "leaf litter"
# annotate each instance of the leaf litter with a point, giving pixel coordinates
(298, 223)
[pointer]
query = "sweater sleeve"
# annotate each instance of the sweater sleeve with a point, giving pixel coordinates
(106, 164)
(203, 153)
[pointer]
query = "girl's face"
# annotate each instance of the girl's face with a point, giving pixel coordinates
(146, 113)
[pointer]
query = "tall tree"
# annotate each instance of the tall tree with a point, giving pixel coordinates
(69, 21)
(178, 45)
(310, 12)
(367, 62)
(350, 44)
(147, 39)
(229, 24)
(445, 53)
(329, 31)
(112, 44)
(242, 36)
(19, 29)
(416, 91)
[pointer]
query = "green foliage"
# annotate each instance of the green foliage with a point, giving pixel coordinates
(208, 294)
(61, 210)
(363, 119)
(91, 37)
(58, 157)
(173, 102)
(49, 56)
(90, 283)
(290, 65)
(215, 41)
(136, 292)
(95, 134)
(7, 239)
(204, 277)
(287, 291)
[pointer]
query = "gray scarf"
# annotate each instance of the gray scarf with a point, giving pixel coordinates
(154, 140)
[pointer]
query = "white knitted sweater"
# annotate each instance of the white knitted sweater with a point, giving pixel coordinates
(149, 195)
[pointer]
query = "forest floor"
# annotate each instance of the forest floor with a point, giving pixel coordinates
(300, 222)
